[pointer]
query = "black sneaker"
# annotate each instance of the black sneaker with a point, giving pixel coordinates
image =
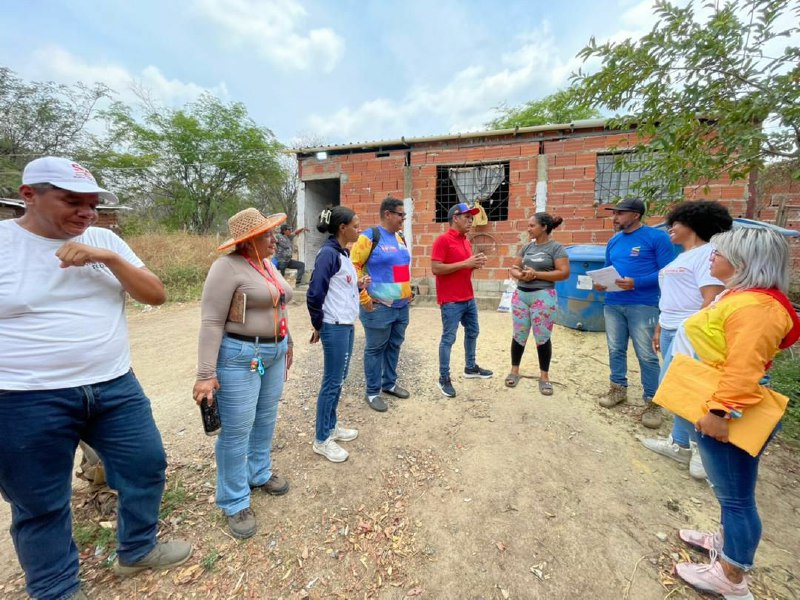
(376, 403)
(476, 372)
(447, 387)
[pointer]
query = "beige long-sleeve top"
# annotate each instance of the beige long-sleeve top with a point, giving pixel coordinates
(229, 274)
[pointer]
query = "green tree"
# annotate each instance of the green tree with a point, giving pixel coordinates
(194, 166)
(42, 118)
(560, 107)
(272, 194)
(709, 93)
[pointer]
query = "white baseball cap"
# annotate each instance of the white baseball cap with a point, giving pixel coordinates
(65, 174)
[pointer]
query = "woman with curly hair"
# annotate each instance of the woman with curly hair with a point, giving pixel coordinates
(537, 267)
(687, 285)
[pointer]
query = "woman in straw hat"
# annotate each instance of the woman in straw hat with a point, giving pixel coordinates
(333, 300)
(244, 351)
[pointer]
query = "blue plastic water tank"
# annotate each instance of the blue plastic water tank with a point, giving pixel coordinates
(581, 309)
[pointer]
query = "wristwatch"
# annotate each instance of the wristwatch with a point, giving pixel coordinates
(719, 413)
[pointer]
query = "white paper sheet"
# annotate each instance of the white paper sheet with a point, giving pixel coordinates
(606, 277)
(584, 282)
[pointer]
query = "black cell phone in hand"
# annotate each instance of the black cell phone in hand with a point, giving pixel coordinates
(210, 415)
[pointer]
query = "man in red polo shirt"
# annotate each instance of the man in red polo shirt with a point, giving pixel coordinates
(452, 262)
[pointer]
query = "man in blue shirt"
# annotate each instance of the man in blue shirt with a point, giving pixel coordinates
(638, 253)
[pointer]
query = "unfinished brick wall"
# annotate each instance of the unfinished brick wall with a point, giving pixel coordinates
(367, 176)
(779, 203)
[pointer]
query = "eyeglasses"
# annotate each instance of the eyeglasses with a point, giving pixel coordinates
(399, 214)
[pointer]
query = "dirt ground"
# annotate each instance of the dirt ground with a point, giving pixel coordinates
(497, 493)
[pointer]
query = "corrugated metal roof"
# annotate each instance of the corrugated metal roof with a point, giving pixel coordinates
(403, 141)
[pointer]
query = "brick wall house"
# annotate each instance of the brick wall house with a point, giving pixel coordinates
(567, 170)
(779, 203)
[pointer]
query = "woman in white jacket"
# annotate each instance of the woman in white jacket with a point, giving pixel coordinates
(333, 300)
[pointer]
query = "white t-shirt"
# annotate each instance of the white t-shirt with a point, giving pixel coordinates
(680, 282)
(59, 327)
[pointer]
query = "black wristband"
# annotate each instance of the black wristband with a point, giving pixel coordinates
(719, 413)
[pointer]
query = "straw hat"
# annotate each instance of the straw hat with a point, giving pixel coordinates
(249, 223)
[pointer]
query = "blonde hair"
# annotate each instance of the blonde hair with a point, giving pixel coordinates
(759, 256)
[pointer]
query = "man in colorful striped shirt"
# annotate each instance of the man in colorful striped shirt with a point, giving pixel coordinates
(381, 253)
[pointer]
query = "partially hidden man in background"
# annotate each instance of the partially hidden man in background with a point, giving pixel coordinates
(381, 253)
(284, 253)
(67, 376)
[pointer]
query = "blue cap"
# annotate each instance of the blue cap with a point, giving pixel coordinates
(462, 208)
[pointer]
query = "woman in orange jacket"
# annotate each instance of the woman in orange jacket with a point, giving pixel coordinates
(738, 334)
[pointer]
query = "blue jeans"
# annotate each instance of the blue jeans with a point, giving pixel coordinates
(733, 474)
(337, 348)
(682, 430)
(37, 450)
(636, 322)
(248, 410)
(454, 313)
(385, 330)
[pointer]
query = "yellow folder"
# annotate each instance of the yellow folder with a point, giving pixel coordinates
(688, 386)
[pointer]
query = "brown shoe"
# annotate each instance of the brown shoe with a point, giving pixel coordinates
(243, 524)
(616, 394)
(652, 417)
(275, 486)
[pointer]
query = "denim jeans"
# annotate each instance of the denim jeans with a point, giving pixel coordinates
(682, 430)
(385, 330)
(636, 322)
(733, 474)
(454, 313)
(37, 451)
(248, 410)
(337, 348)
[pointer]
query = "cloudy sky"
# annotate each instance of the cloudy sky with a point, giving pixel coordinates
(332, 71)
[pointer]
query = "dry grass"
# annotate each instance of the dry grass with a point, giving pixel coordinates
(181, 260)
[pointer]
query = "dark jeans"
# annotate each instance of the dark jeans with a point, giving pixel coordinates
(454, 313)
(300, 267)
(337, 347)
(37, 450)
(385, 331)
(733, 474)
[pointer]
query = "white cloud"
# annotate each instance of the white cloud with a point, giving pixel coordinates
(273, 29)
(464, 102)
(55, 63)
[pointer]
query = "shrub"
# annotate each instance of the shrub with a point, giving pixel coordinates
(785, 378)
(181, 260)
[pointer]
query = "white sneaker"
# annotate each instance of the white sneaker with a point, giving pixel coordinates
(331, 450)
(342, 434)
(696, 468)
(667, 447)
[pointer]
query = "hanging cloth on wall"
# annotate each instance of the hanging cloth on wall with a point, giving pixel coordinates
(480, 218)
(476, 184)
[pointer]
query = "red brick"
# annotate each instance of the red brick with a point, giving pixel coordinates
(562, 186)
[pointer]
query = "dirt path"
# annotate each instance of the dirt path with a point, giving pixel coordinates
(497, 493)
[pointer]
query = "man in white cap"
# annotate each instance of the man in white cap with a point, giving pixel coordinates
(66, 376)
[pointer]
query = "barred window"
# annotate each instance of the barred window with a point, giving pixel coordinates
(613, 181)
(447, 195)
